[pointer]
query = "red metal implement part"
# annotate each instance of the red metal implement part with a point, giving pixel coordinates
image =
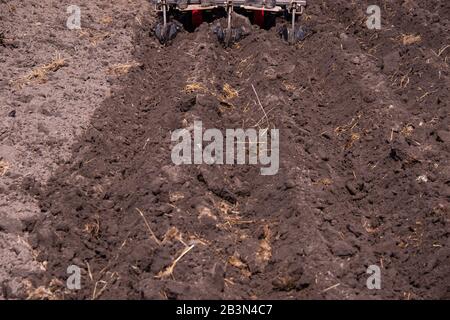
(197, 18)
(258, 18)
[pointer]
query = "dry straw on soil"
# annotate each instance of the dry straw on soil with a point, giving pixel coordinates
(172, 234)
(265, 250)
(236, 262)
(123, 68)
(4, 166)
(94, 36)
(168, 272)
(53, 292)
(152, 234)
(409, 39)
(40, 74)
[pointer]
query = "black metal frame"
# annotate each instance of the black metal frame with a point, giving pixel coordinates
(267, 5)
(293, 7)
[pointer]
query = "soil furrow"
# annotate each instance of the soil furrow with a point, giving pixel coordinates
(362, 179)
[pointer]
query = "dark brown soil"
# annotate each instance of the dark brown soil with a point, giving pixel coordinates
(363, 180)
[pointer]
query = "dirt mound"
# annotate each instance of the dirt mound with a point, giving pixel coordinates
(363, 176)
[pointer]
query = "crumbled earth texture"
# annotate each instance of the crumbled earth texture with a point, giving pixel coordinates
(42, 109)
(364, 177)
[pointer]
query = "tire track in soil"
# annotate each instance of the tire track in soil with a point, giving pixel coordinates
(320, 222)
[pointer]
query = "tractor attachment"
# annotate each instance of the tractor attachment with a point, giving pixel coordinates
(167, 30)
